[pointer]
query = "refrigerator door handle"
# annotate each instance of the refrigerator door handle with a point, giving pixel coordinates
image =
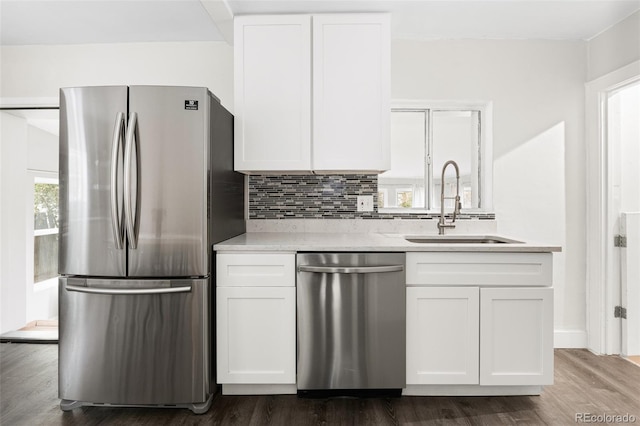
(128, 291)
(117, 223)
(130, 212)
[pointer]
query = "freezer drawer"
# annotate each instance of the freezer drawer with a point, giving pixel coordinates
(134, 342)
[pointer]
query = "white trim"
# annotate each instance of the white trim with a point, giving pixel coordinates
(257, 389)
(27, 103)
(601, 328)
(469, 390)
(45, 176)
(570, 339)
(221, 15)
(45, 285)
(40, 232)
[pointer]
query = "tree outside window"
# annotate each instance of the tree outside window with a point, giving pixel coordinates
(45, 225)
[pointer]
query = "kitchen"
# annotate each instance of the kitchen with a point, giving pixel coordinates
(537, 88)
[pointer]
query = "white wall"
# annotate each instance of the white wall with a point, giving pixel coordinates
(537, 89)
(614, 48)
(13, 222)
(39, 71)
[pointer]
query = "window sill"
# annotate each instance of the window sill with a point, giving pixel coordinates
(45, 285)
(464, 214)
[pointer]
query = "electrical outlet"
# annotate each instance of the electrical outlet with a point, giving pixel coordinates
(365, 203)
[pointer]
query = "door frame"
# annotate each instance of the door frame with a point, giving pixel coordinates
(13, 318)
(602, 293)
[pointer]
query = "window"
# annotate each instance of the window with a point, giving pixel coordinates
(423, 137)
(45, 229)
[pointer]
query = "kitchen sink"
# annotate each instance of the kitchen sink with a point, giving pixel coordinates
(460, 239)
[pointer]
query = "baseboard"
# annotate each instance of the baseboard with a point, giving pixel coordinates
(469, 390)
(570, 339)
(259, 389)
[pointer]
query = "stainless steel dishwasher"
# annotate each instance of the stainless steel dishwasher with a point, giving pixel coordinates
(351, 321)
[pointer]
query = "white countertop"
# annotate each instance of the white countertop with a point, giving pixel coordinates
(307, 241)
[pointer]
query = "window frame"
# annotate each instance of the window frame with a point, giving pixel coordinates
(485, 151)
(37, 176)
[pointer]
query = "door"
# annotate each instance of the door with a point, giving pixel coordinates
(158, 355)
(630, 290)
(623, 137)
(167, 158)
(442, 335)
(516, 336)
(351, 92)
(256, 335)
(89, 228)
(273, 92)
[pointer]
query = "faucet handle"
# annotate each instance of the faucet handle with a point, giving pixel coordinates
(458, 204)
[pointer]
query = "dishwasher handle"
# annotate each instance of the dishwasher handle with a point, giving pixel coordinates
(351, 269)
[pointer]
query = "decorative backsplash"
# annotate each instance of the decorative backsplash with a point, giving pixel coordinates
(321, 197)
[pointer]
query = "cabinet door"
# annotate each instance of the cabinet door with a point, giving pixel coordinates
(516, 329)
(272, 60)
(256, 335)
(351, 86)
(442, 335)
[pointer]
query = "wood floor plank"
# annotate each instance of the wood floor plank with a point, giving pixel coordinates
(584, 383)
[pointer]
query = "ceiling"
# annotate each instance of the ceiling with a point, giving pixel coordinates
(24, 22)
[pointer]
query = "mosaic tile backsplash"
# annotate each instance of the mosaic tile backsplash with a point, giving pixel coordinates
(321, 197)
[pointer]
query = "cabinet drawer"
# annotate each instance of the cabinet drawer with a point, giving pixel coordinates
(465, 268)
(256, 269)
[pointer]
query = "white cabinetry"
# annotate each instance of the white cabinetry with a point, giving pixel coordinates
(351, 92)
(479, 323)
(442, 335)
(277, 125)
(256, 322)
(516, 325)
(272, 68)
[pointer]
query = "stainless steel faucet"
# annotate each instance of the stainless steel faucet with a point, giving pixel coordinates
(442, 223)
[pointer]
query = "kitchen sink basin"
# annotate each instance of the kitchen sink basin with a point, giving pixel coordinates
(460, 239)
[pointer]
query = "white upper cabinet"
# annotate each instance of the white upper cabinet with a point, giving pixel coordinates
(344, 126)
(351, 92)
(272, 65)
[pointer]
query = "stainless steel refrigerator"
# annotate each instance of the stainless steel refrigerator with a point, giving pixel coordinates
(146, 188)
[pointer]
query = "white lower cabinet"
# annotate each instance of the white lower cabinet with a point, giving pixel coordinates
(462, 338)
(479, 336)
(256, 323)
(442, 335)
(483, 339)
(256, 327)
(516, 336)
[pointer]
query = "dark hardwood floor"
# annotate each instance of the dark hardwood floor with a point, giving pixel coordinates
(584, 383)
